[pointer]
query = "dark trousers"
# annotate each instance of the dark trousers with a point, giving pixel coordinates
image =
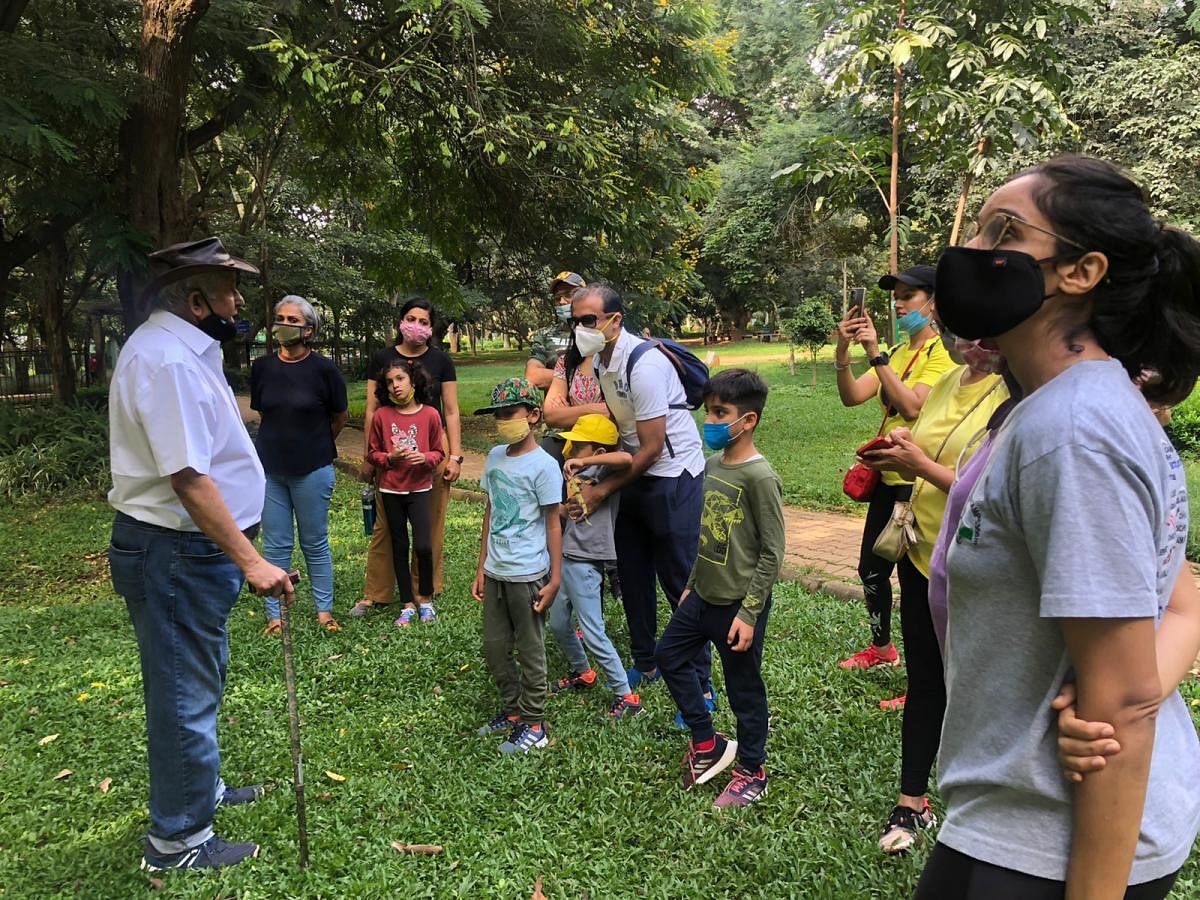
(403, 510)
(875, 571)
(657, 534)
(693, 626)
(950, 875)
(926, 704)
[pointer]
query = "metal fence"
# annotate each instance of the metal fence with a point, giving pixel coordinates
(26, 375)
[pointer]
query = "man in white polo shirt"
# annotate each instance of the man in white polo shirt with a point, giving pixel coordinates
(658, 526)
(188, 491)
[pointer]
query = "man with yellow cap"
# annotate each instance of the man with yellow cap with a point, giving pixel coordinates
(587, 547)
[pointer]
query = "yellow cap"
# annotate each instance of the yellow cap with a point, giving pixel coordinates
(592, 429)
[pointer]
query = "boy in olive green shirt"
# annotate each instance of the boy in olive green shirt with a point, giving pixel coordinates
(728, 596)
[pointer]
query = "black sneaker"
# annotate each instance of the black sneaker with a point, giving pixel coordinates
(575, 681)
(525, 738)
(498, 724)
(699, 767)
(903, 827)
(239, 796)
(626, 707)
(212, 854)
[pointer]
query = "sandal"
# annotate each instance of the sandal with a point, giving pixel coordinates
(273, 628)
(331, 625)
(361, 608)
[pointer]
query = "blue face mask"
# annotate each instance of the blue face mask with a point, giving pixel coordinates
(717, 436)
(563, 312)
(913, 321)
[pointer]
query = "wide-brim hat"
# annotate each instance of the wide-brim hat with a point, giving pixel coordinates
(566, 279)
(592, 429)
(512, 392)
(178, 261)
(915, 276)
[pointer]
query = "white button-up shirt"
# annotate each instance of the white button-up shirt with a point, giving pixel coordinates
(170, 409)
(655, 387)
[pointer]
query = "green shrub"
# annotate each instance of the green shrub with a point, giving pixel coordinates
(53, 450)
(1184, 427)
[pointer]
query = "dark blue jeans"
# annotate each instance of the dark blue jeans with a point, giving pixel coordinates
(696, 624)
(179, 588)
(657, 534)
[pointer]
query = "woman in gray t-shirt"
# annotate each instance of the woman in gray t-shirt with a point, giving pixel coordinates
(1069, 546)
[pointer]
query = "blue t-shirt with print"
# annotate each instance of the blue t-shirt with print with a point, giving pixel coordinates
(518, 488)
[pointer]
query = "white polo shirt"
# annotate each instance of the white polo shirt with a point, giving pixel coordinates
(169, 409)
(656, 386)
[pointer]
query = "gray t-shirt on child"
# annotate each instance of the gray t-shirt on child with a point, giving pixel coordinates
(593, 541)
(1081, 513)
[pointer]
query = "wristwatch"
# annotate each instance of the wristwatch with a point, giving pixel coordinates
(457, 459)
(880, 360)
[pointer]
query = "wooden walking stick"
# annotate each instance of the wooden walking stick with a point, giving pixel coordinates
(289, 676)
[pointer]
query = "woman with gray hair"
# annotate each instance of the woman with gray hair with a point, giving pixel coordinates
(301, 397)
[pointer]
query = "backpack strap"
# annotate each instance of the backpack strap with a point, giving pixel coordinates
(634, 355)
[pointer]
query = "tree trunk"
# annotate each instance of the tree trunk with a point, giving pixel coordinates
(151, 138)
(814, 369)
(968, 178)
(894, 182)
(792, 360)
(53, 324)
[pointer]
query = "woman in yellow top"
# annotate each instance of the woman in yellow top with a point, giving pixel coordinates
(901, 382)
(956, 411)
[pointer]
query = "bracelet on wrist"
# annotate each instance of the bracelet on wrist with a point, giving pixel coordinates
(840, 366)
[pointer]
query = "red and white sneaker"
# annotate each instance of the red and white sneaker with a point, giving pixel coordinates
(744, 788)
(702, 766)
(871, 657)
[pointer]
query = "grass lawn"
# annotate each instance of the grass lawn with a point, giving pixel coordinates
(598, 814)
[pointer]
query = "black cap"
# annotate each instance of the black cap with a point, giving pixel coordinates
(914, 276)
(178, 261)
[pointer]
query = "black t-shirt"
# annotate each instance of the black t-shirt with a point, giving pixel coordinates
(296, 401)
(437, 365)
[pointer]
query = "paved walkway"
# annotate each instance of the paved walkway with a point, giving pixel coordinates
(822, 547)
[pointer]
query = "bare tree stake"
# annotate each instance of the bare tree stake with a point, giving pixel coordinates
(289, 674)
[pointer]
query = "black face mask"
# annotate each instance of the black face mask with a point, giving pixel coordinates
(220, 330)
(984, 293)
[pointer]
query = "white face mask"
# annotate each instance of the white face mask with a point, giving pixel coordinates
(589, 341)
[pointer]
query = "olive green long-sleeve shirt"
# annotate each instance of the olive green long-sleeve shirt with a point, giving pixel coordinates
(741, 535)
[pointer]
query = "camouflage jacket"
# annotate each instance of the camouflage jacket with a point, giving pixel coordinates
(549, 344)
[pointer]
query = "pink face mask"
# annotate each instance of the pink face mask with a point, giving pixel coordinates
(979, 359)
(415, 332)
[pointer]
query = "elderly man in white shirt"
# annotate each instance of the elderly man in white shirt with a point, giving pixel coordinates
(188, 494)
(658, 525)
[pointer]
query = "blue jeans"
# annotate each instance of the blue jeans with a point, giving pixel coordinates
(306, 497)
(658, 534)
(579, 591)
(179, 588)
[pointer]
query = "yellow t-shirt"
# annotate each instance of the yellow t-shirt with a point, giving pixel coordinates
(932, 364)
(941, 420)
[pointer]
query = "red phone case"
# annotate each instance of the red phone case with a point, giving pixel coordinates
(878, 443)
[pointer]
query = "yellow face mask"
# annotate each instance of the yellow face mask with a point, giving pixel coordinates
(512, 431)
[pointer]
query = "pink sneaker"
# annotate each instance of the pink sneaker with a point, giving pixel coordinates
(406, 617)
(871, 657)
(743, 789)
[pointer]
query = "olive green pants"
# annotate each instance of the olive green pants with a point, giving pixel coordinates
(514, 646)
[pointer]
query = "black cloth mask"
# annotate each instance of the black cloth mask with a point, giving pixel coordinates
(220, 330)
(984, 293)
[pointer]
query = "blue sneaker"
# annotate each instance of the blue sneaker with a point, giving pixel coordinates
(212, 854)
(498, 724)
(710, 703)
(637, 677)
(238, 796)
(525, 738)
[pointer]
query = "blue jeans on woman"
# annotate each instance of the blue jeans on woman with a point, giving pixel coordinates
(580, 591)
(304, 498)
(179, 588)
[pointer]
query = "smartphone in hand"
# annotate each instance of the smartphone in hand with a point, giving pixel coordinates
(879, 443)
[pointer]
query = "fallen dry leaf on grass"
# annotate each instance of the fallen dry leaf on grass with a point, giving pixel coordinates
(47, 739)
(156, 884)
(63, 775)
(105, 785)
(419, 849)
(537, 890)
(334, 776)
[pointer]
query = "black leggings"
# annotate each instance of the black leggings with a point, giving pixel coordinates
(950, 875)
(875, 571)
(401, 511)
(921, 731)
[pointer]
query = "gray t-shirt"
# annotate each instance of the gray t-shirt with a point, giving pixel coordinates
(593, 541)
(1081, 513)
